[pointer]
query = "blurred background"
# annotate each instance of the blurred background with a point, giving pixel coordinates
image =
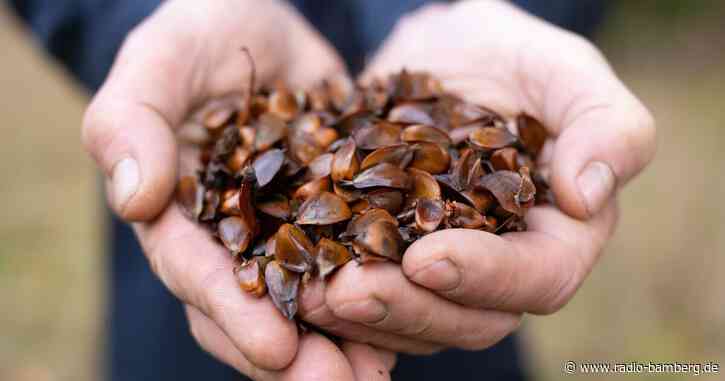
(657, 295)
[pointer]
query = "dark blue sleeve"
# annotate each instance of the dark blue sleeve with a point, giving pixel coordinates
(83, 35)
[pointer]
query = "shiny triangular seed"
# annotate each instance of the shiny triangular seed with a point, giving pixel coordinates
(377, 135)
(429, 214)
(235, 234)
(345, 162)
(490, 138)
(382, 175)
(190, 195)
(270, 130)
(329, 256)
(323, 209)
(293, 249)
(250, 276)
(282, 286)
(382, 238)
(400, 155)
(423, 133)
(532, 134)
(268, 165)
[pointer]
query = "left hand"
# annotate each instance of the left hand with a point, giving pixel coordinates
(469, 288)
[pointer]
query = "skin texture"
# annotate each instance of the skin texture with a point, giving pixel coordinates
(456, 288)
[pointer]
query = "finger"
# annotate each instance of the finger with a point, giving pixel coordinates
(378, 296)
(318, 358)
(200, 272)
(314, 310)
(366, 362)
(214, 341)
(536, 271)
(127, 127)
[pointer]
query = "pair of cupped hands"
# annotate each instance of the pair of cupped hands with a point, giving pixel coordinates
(456, 288)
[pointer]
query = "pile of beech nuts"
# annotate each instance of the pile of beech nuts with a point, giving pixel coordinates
(297, 183)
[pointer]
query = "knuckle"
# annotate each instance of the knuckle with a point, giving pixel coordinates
(411, 20)
(423, 327)
(97, 130)
(582, 53)
(639, 137)
(134, 37)
(648, 132)
(430, 9)
(583, 46)
(403, 25)
(321, 316)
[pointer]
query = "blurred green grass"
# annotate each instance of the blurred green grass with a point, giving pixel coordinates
(657, 294)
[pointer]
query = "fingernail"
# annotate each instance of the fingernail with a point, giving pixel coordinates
(596, 184)
(125, 179)
(442, 275)
(367, 311)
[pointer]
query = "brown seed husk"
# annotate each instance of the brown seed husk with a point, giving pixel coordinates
(382, 175)
(330, 255)
(250, 275)
(376, 135)
(296, 183)
(283, 286)
(461, 215)
(276, 205)
(268, 165)
(270, 129)
(423, 133)
(430, 157)
(323, 209)
(532, 134)
(235, 233)
(490, 138)
(400, 155)
(190, 195)
(429, 214)
(345, 162)
(511, 190)
(293, 249)
(383, 239)
(312, 188)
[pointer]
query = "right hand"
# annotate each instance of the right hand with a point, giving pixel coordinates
(185, 53)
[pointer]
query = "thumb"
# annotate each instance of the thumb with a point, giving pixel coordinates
(127, 128)
(605, 135)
